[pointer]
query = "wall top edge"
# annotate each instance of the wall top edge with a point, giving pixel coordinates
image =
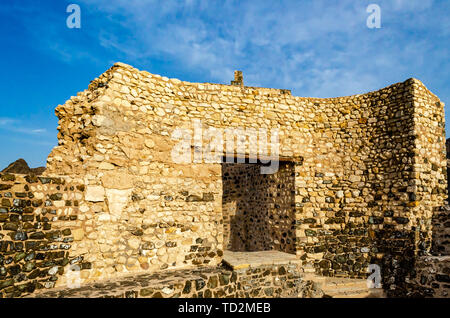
(262, 90)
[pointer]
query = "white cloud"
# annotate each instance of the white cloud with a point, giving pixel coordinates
(37, 131)
(315, 48)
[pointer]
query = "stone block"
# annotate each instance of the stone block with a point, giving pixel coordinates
(95, 194)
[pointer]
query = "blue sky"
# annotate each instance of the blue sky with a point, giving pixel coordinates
(315, 48)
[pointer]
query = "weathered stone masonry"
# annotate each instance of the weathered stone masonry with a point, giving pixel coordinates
(366, 172)
(260, 282)
(38, 225)
(258, 209)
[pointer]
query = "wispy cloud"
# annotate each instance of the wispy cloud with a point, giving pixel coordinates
(312, 47)
(31, 131)
(18, 126)
(18, 140)
(6, 121)
(412, 5)
(316, 48)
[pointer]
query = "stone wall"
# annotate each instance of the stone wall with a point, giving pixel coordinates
(430, 168)
(370, 194)
(422, 190)
(441, 231)
(432, 277)
(372, 170)
(39, 223)
(258, 282)
(258, 209)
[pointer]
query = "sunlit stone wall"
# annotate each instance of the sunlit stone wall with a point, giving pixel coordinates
(372, 169)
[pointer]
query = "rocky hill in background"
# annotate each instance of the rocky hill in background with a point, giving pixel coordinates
(21, 166)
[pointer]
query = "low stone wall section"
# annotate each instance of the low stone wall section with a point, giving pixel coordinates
(432, 277)
(259, 282)
(38, 225)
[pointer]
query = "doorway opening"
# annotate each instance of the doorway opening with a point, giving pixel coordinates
(258, 209)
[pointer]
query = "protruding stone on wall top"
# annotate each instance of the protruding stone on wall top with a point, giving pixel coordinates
(238, 79)
(120, 64)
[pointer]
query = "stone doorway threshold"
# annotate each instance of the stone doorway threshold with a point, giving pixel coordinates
(241, 260)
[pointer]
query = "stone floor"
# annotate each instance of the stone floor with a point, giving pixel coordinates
(127, 285)
(172, 283)
(240, 260)
(338, 287)
(332, 286)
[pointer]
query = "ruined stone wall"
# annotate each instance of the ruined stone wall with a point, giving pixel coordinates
(39, 224)
(355, 189)
(441, 231)
(268, 281)
(422, 191)
(368, 197)
(432, 277)
(258, 209)
(430, 169)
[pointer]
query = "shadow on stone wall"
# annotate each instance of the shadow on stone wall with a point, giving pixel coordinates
(33, 251)
(259, 209)
(396, 257)
(411, 264)
(447, 147)
(414, 263)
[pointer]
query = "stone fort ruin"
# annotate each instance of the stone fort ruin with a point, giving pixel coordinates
(360, 180)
